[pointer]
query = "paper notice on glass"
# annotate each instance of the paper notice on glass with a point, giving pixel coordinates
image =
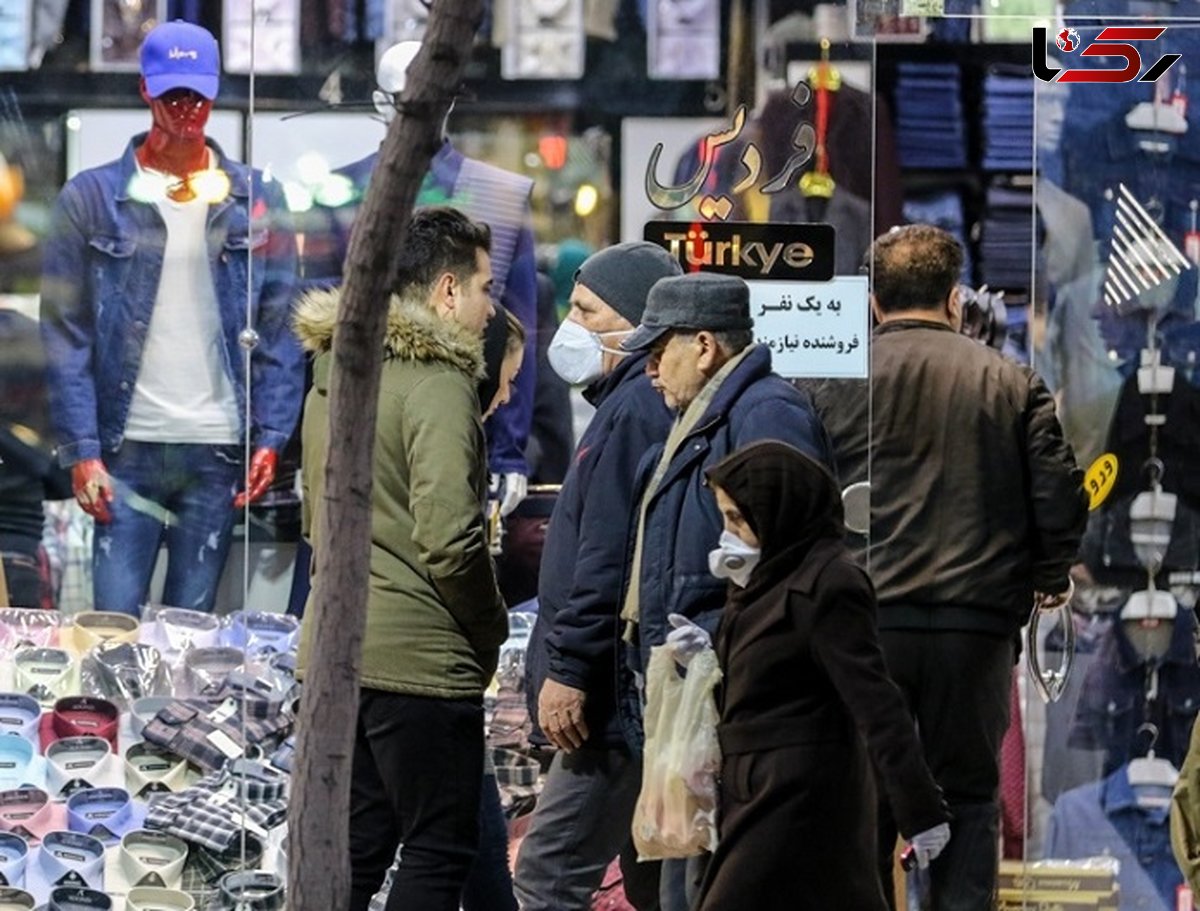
(814, 329)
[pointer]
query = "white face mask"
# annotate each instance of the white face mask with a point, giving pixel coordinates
(733, 559)
(577, 354)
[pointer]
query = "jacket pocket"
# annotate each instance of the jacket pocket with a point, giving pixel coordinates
(112, 259)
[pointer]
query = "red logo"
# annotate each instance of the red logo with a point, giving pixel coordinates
(1067, 40)
(1110, 42)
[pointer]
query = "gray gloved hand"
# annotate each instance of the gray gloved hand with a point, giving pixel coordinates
(512, 487)
(930, 843)
(686, 640)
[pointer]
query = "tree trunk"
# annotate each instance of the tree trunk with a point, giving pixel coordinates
(319, 853)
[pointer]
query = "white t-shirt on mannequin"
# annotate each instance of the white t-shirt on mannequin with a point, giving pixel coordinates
(183, 394)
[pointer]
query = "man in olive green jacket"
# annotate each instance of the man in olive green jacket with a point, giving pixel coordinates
(435, 617)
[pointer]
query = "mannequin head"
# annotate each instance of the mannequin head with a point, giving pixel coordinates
(181, 72)
(180, 114)
(392, 76)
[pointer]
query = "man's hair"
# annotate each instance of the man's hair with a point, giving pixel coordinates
(734, 341)
(514, 339)
(440, 240)
(914, 267)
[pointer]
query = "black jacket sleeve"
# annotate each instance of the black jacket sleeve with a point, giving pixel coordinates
(1058, 502)
(584, 630)
(845, 643)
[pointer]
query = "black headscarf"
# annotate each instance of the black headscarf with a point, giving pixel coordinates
(495, 344)
(789, 500)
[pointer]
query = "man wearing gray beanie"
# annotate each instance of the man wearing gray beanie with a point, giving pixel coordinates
(582, 820)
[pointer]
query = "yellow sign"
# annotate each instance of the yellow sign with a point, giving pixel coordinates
(1100, 479)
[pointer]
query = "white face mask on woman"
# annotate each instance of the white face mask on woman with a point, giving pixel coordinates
(577, 353)
(733, 559)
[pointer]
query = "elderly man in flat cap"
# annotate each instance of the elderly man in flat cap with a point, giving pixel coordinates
(720, 385)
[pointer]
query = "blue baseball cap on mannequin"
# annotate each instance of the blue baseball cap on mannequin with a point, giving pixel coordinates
(180, 55)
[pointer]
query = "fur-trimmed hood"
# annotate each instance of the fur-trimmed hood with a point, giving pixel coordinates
(413, 332)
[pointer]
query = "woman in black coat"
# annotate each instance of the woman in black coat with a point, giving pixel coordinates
(805, 700)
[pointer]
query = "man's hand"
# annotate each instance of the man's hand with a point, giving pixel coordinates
(262, 473)
(560, 715)
(93, 489)
(1045, 602)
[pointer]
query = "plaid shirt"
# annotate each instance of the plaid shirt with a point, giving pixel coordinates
(210, 813)
(205, 868)
(186, 730)
(249, 891)
(68, 541)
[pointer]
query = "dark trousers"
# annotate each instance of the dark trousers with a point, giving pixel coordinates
(418, 767)
(957, 687)
(489, 885)
(23, 579)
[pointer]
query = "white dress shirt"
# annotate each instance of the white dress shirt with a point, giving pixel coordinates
(76, 763)
(144, 859)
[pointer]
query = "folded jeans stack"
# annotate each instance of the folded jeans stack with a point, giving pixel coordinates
(930, 132)
(1007, 244)
(1007, 121)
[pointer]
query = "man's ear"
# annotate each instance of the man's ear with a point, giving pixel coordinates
(875, 310)
(444, 295)
(954, 308)
(710, 351)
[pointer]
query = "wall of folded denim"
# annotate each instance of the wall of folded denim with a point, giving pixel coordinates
(145, 764)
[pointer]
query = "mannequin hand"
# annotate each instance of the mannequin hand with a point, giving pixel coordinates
(929, 844)
(686, 640)
(1045, 602)
(93, 489)
(262, 473)
(560, 715)
(511, 488)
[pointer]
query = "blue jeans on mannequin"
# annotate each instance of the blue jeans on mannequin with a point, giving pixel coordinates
(180, 494)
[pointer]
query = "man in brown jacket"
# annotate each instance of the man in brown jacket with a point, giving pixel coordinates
(435, 618)
(977, 509)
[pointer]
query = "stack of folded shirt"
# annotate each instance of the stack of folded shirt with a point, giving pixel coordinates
(1008, 121)
(108, 727)
(929, 116)
(246, 795)
(1006, 247)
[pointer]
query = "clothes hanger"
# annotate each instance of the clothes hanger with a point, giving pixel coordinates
(1157, 116)
(1152, 771)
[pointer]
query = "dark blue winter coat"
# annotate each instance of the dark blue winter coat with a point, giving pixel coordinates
(682, 520)
(574, 640)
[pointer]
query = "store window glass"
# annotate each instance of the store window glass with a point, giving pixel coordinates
(150, 386)
(1117, 285)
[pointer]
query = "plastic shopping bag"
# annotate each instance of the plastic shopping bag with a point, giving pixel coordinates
(676, 813)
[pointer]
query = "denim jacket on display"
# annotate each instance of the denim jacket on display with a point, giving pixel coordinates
(102, 265)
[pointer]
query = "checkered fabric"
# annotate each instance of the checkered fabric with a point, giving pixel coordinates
(214, 811)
